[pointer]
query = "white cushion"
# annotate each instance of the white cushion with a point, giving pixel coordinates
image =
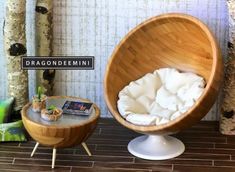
(174, 80)
(175, 115)
(141, 119)
(165, 74)
(168, 100)
(157, 110)
(127, 105)
(191, 92)
(159, 97)
(145, 101)
(186, 106)
(162, 121)
(147, 85)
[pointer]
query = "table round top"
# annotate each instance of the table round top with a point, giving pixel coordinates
(66, 120)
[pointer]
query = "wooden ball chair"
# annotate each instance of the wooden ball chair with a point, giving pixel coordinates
(171, 40)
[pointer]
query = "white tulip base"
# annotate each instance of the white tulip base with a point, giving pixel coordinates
(155, 147)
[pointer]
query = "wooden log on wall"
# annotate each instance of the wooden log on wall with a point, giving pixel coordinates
(227, 116)
(231, 44)
(15, 48)
(44, 40)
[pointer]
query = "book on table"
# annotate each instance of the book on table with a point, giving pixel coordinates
(77, 108)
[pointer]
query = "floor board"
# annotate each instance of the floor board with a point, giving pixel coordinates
(206, 150)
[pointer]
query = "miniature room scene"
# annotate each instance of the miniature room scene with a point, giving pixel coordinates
(117, 85)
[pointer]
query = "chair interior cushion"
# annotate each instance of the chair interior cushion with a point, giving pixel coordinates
(159, 97)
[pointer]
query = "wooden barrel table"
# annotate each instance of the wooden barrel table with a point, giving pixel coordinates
(68, 131)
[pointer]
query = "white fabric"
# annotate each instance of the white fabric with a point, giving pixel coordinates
(162, 121)
(191, 92)
(174, 80)
(142, 119)
(145, 101)
(127, 105)
(147, 86)
(175, 115)
(168, 100)
(159, 97)
(157, 110)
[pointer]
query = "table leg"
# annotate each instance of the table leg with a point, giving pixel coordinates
(53, 158)
(34, 149)
(86, 148)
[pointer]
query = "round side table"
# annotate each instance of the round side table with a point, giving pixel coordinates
(68, 131)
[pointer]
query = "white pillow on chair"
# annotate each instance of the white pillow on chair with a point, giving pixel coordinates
(127, 105)
(159, 97)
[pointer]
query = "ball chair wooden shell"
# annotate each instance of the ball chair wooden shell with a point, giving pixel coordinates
(172, 40)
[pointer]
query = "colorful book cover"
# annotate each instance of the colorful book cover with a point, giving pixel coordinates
(77, 108)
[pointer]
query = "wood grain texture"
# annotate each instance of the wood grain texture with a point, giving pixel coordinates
(172, 40)
(63, 136)
(206, 150)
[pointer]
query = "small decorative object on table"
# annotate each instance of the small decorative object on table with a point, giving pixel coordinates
(77, 108)
(39, 101)
(51, 114)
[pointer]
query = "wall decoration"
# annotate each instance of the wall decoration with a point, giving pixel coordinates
(15, 48)
(227, 116)
(44, 40)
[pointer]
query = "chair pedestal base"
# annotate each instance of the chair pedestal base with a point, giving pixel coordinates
(154, 147)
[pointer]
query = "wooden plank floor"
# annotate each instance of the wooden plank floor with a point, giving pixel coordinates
(206, 151)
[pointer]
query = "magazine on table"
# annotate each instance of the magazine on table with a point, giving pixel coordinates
(77, 108)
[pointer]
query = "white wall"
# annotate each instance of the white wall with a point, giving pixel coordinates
(94, 27)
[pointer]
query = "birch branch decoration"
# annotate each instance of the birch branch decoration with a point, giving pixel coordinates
(231, 5)
(15, 48)
(227, 117)
(44, 40)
